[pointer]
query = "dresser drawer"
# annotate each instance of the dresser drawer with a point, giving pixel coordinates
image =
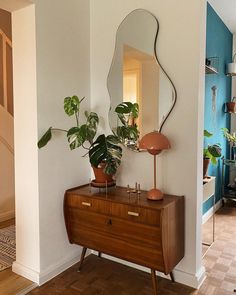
(88, 204)
(132, 232)
(136, 213)
(149, 257)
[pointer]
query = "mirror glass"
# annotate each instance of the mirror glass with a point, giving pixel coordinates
(142, 95)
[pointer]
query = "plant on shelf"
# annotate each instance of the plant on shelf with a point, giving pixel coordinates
(231, 138)
(210, 153)
(104, 153)
(128, 132)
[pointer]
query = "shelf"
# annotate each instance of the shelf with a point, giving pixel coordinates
(229, 162)
(210, 70)
(212, 65)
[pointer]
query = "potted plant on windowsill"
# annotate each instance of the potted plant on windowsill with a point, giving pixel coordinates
(104, 153)
(210, 154)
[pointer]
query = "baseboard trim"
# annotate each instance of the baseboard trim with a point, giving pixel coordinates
(7, 215)
(27, 289)
(56, 269)
(48, 274)
(209, 213)
(25, 272)
(189, 279)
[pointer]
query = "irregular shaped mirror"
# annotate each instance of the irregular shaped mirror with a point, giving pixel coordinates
(142, 95)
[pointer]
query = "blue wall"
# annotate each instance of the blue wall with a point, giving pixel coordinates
(219, 42)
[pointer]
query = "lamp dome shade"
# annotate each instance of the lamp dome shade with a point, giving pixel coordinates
(231, 69)
(154, 142)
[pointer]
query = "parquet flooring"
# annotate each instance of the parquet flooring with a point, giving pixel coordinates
(11, 283)
(104, 277)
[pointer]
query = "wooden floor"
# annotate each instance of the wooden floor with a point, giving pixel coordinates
(104, 277)
(11, 283)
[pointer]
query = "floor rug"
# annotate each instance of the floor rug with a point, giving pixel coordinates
(7, 247)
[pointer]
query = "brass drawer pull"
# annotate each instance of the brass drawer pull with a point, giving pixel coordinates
(133, 213)
(86, 204)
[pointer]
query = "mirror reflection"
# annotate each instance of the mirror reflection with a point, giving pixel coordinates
(142, 95)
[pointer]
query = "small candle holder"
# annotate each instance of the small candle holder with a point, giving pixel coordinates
(136, 190)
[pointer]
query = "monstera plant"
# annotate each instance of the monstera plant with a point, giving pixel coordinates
(104, 151)
(127, 132)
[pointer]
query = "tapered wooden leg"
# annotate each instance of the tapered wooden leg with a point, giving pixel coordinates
(154, 281)
(172, 277)
(82, 258)
(99, 254)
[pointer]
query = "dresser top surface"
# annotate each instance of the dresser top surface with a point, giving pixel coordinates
(120, 195)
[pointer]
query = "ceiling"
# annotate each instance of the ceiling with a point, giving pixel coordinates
(226, 9)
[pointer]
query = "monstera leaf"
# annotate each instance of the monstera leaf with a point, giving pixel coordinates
(77, 136)
(72, 105)
(106, 149)
(92, 125)
(127, 111)
(45, 138)
(127, 132)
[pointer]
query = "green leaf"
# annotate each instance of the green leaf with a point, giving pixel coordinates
(124, 108)
(92, 118)
(207, 133)
(135, 110)
(215, 150)
(77, 136)
(72, 105)
(92, 125)
(127, 132)
(45, 138)
(123, 119)
(106, 149)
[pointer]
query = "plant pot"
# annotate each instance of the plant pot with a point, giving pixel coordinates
(231, 107)
(101, 176)
(206, 163)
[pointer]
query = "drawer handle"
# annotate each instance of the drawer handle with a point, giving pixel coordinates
(86, 204)
(133, 213)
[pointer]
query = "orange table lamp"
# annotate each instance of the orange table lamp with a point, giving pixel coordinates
(154, 142)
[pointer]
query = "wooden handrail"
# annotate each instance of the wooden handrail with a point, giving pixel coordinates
(7, 145)
(6, 38)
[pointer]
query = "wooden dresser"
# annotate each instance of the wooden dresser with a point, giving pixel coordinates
(148, 233)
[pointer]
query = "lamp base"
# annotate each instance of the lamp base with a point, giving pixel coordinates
(155, 195)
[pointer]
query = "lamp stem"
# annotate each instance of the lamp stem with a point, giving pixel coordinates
(155, 172)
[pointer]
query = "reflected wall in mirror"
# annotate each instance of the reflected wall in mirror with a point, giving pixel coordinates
(142, 95)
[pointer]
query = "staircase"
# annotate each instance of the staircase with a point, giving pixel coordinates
(6, 130)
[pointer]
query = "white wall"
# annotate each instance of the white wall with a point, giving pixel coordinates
(51, 61)
(181, 50)
(26, 153)
(63, 68)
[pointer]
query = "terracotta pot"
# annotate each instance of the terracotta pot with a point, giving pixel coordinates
(100, 175)
(206, 163)
(231, 107)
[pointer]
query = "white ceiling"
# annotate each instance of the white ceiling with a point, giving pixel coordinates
(226, 9)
